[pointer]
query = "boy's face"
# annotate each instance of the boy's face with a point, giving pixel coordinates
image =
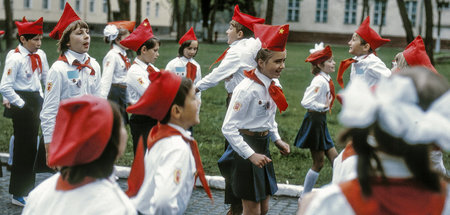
(356, 48)
(232, 34)
(33, 44)
(79, 40)
(190, 116)
(273, 66)
(150, 55)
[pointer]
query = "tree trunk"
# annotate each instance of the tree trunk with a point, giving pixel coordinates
(249, 7)
(176, 10)
(124, 6)
(406, 22)
(429, 30)
(365, 10)
(186, 18)
(212, 20)
(138, 12)
(197, 14)
(269, 12)
(206, 9)
(8, 24)
(383, 13)
(108, 10)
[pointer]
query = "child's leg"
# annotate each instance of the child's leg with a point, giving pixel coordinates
(331, 155)
(252, 207)
(265, 205)
(313, 173)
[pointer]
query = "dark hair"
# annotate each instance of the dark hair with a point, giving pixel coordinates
(263, 54)
(315, 68)
(103, 166)
(180, 98)
(429, 87)
(364, 42)
(239, 27)
(122, 32)
(184, 45)
(65, 37)
(149, 44)
(26, 36)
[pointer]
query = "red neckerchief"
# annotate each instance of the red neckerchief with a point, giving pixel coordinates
(35, 61)
(397, 196)
(221, 57)
(275, 92)
(64, 185)
(126, 61)
(332, 91)
(157, 133)
(191, 71)
(77, 63)
(348, 151)
(342, 67)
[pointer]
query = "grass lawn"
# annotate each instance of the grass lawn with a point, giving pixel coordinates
(295, 78)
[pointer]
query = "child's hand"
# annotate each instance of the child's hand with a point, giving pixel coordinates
(283, 147)
(259, 160)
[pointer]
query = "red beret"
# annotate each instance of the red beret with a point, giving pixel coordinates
(190, 35)
(320, 56)
(273, 37)
(369, 35)
(2, 32)
(159, 96)
(66, 19)
(416, 55)
(245, 19)
(26, 27)
(129, 25)
(141, 34)
(82, 130)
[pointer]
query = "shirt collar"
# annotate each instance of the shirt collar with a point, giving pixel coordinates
(325, 75)
(140, 63)
(358, 58)
(184, 59)
(394, 167)
(266, 80)
(23, 51)
(183, 131)
(119, 49)
(71, 56)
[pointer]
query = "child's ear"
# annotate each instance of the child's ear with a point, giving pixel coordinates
(366, 47)
(260, 63)
(176, 111)
(240, 34)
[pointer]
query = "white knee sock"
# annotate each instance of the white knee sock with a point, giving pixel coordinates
(310, 181)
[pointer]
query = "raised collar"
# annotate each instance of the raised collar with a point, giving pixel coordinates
(266, 80)
(183, 131)
(119, 49)
(71, 56)
(23, 51)
(361, 57)
(325, 75)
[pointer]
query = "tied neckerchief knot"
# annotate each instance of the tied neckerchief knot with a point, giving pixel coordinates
(342, 67)
(126, 61)
(79, 65)
(35, 61)
(275, 92)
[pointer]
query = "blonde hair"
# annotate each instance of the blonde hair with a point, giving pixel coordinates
(401, 61)
(65, 37)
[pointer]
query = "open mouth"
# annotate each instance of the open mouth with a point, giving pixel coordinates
(86, 44)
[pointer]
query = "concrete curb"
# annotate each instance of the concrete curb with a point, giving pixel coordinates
(216, 182)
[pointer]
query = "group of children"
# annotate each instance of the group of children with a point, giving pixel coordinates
(84, 133)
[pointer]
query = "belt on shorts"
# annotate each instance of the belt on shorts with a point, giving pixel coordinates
(254, 133)
(313, 111)
(120, 86)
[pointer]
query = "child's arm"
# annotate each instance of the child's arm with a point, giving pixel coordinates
(312, 94)
(50, 106)
(137, 80)
(109, 65)
(12, 67)
(376, 68)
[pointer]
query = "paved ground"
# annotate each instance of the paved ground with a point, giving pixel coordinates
(198, 205)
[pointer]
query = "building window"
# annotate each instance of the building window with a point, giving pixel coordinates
(379, 12)
(322, 11)
(62, 3)
(411, 8)
(91, 6)
(45, 4)
(293, 11)
(156, 9)
(77, 5)
(105, 6)
(147, 9)
(27, 3)
(350, 11)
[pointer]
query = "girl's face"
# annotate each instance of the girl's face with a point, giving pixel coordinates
(79, 40)
(118, 39)
(150, 55)
(232, 34)
(327, 66)
(273, 66)
(356, 48)
(33, 44)
(190, 51)
(123, 140)
(190, 116)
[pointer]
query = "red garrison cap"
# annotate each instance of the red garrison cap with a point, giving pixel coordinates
(190, 35)
(320, 56)
(416, 55)
(141, 34)
(2, 32)
(369, 35)
(273, 37)
(129, 25)
(245, 19)
(66, 19)
(159, 96)
(82, 130)
(26, 27)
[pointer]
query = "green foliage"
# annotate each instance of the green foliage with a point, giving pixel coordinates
(295, 78)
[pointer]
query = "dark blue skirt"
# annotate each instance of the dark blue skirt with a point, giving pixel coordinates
(313, 133)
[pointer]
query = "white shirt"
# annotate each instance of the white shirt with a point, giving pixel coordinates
(317, 96)
(370, 68)
(178, 66)
(331, 200)
(252, 108)
(169, 176)
(240, 57)
(114, 70)
(65, 81)
(102, 196)
(18, 75)
(344, 170)
(137, 80)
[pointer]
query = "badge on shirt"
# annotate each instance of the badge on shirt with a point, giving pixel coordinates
(140, 81)
(181, 71)
(107, 63)
(177, 176)
(237, 106)
(49, 86)
(316, 90)
(74, 74)
(9, 71)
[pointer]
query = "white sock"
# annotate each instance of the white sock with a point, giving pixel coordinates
(310, 181)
